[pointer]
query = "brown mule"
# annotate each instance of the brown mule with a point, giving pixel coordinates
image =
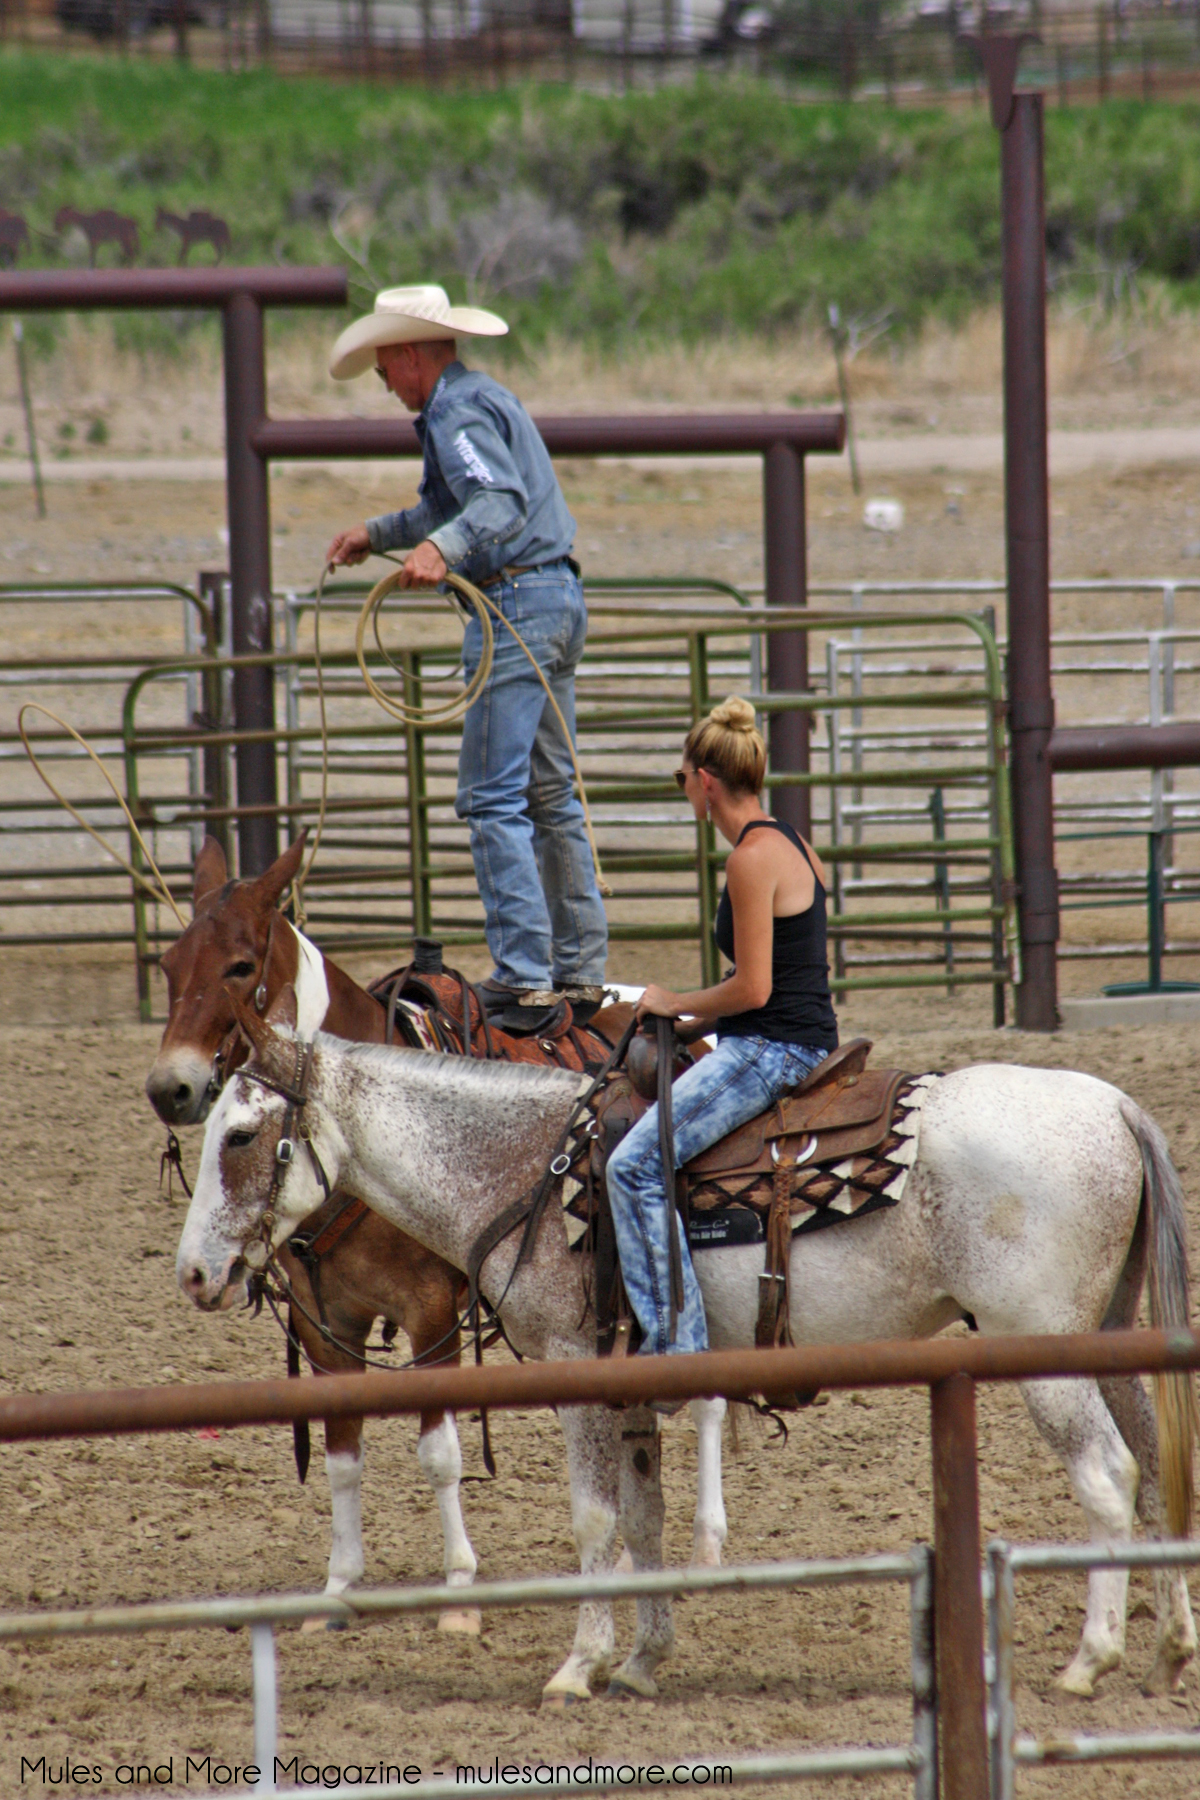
(349, 1266)
(238, 940)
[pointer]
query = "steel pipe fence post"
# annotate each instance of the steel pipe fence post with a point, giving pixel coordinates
(706, 846)
(958, 1604)
(212, 584)
(924, 1680)
(262, 1664)
(418, 817)
(1002, 1602)
(785, 565)
(1019, 120)
(248, 504)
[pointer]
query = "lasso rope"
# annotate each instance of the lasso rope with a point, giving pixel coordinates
(446, 712)
(161, 892)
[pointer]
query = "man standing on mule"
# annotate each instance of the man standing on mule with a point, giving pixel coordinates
(491, 510)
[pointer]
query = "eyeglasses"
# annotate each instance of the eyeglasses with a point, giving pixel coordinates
(382, 374)
(681, 776)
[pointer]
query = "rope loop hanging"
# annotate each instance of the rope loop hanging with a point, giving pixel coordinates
(444, 712)
(156, 889)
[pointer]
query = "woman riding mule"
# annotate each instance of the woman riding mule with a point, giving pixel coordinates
(773, 1014)
(1038, 1200)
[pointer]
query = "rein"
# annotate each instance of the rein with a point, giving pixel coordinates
(531, 1210)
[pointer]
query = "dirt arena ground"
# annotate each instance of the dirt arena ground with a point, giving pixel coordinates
(88, 1298)
(87, 1294)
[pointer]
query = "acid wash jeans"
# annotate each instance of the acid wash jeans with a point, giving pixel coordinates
(740, 1079)
(543, 915)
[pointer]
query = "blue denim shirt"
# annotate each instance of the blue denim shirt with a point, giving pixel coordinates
(489, 495)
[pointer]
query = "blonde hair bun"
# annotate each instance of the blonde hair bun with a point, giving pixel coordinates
(735, 714)
(728, 744)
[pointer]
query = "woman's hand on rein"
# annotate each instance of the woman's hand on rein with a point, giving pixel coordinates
(660, 1002)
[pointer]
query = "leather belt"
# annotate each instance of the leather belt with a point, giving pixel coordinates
(514, 569)
(509, 573)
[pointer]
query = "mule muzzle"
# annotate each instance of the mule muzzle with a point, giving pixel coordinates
(212, 1291)
(178, 1088)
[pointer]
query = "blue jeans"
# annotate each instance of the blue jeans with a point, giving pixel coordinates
(740, 1079)
(543, 915)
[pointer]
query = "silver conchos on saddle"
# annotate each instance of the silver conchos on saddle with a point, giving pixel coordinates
(732, 1209)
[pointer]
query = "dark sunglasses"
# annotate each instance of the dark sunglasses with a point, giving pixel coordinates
(382, 373)
(681, 776)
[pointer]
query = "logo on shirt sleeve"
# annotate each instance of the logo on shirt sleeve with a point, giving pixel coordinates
(472, 460)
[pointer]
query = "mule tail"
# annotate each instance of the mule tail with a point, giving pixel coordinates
(1174, 1393)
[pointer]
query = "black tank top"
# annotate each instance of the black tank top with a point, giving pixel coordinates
(800, 1010)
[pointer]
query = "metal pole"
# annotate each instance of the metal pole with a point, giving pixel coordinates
(39, 492)
(262, 1664)
(925, 1785)
(786, 571)
(212, 585)
(1019, 119)
(1156, 924)
(1002, 1623)
(248, 505)
(838, 335)
(958, 1606)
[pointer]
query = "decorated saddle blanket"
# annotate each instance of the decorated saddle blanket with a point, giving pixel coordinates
(733, 1209)
(836, 1153)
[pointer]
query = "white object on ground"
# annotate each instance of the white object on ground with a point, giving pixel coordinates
(883, 515)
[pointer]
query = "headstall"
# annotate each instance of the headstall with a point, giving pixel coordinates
(294, 1126)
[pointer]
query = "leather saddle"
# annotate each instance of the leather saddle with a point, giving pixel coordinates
(777, 1165)
(452, 1019)
(840, 1109)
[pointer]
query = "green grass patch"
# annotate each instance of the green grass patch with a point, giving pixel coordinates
(712, 207)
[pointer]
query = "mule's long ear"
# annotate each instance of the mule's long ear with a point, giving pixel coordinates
(271, 884)
(211, 872)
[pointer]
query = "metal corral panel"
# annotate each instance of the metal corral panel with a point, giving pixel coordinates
(647, 24)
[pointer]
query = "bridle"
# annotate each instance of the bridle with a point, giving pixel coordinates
(225, 1048)
(295, 1126)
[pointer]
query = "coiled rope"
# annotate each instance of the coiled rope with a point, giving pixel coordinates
(443, 712)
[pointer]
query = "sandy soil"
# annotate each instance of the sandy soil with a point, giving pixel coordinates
(87, 1297)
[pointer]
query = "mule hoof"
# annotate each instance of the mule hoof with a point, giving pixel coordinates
(1080, 1677)
(632, 1687)
(323, 1625)
(624, 1563)
(564, 1700)
(1166, 1677)
(466, 1620)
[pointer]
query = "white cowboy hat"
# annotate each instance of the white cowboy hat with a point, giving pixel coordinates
(407, 315)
